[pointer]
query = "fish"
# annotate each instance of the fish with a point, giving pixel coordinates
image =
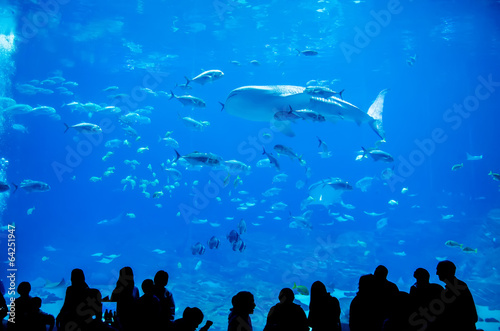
(411, 60)
(307, 52)
(280, 178)
(457, 166)
(242, 226)
(327, 192)
(474, 158)
(373, 213)
(84, 128)
(272, 192)
(451, 243)
(364, 183)
(272, 159)
(322, 91)
(235, 167)
(194, 124)
(201, 159)
(213, 243)
(325, 153)
(239, 246)
(378, 155)
(285, 150)
(260, 103)
(32, 186)
(188, 100)
(289, 115)
(300, 289)
(233, 236)
(205, 77)
(307, 114)
(469, 250)
(198, 249)
(494, 175)
(279, 206)
(4, 187)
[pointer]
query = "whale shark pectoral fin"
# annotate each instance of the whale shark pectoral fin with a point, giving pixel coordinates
(283, 127)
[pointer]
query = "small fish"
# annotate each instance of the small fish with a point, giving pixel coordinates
(142, 149)
(255, 63)
(157, 194)
(107, 156)
(233, 236)
(469, 250)
(494, 175)
(130, 215)
(393, 202)
(447, 217)
(213, 243)
(404, 190)
(285, 150)
(205, 77)
(457, 166)
(307, 52)
(242, 226)
(272, 159)
(400, 253)
(32, 186)
(198, 249)
(95, 179)
(84, 128)
(188, 100)
(411, 60)
(451, 243)
(474, 158)
(301, 289)
(378, 155)
(30, 211)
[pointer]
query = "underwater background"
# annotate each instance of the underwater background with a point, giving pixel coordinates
(115, 204)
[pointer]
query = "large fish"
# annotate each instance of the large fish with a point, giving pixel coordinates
(326, 192)
(261, 103)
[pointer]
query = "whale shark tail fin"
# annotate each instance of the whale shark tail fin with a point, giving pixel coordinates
(375, 112)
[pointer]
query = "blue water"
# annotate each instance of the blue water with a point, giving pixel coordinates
(363, 47)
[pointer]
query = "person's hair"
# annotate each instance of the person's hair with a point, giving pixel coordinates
(242, 301)
(77, 276)
(446, 268)
(421, 275)
(161, 278)
(147, 286)
(36, 302)
(193, 315)
(367, 284)
(24, 288)
(381, 272)
(286, 295)
(126, 278)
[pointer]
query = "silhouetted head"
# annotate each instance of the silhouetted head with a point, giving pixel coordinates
(367, 284)
(36, 302)
(193, 316)
(161, 278)
(318, 289)
(286, 295)
(77, 277)
(24, 289)
(422, 276)
(126, 278)
(148, 286)
(381, 272)
(446, 270)
(243, 303)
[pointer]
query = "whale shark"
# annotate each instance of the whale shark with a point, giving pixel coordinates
(261, 103)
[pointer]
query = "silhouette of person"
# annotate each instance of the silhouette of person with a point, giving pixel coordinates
(166, 299)
(366, 312)
(286, 315)
(324, 310)
(125, 294)
(148, 308)
(422, 293)
(190, 320)
(23, 306)
(82, 308)
(400, 309)
(459, 312)
(4, 310)
(239, 317)
(39, 319)
(387, 289)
